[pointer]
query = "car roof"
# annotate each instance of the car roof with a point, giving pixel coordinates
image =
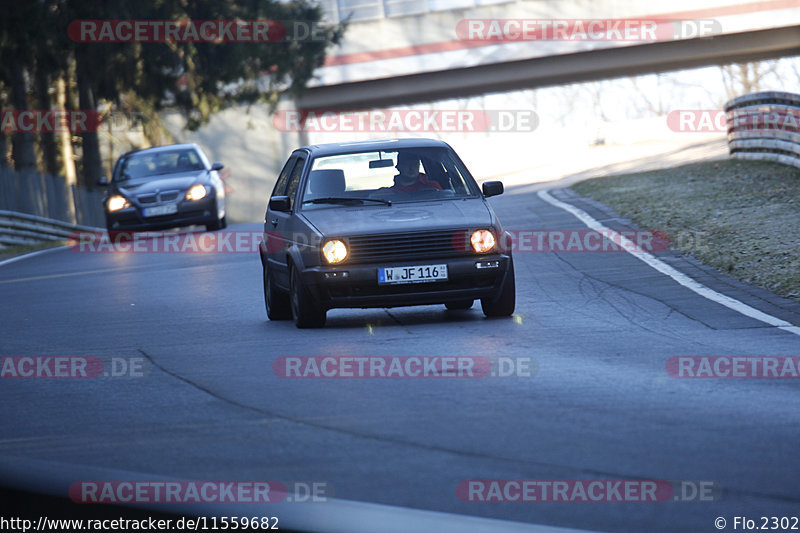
(166, 148)
(317, 150)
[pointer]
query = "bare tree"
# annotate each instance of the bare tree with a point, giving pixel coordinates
(3, 141)
(647, 103)
(745, 78)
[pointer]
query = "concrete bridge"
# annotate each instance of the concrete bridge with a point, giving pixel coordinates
(398, 52)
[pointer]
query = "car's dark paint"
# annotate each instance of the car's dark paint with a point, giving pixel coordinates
(208, 211)
(294, 270)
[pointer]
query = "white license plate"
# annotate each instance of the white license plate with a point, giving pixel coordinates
(161, 210)
(412, 274)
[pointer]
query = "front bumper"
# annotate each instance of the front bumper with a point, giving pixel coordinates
(359, 286)
(198, 212)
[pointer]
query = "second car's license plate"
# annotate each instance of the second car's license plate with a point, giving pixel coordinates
(412, 274)
(161, 210)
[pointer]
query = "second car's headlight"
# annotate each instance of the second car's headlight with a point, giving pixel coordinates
(197, 192)
(116, 202)
(482, 241)
(335, 251)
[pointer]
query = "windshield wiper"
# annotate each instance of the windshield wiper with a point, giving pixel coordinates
(345, 199)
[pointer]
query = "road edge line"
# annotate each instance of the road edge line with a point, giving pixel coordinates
(31, 254)
(676, 275)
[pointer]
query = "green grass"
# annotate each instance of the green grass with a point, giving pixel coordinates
(12, 251)
(741, 217)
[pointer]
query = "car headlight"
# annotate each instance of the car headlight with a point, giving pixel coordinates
(335, 251)
(116, 202)
(196, 192)
(482, 241)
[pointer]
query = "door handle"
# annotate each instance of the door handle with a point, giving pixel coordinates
(274, 222)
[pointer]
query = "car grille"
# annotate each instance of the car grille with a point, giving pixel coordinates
(408, 246)
(164, 196)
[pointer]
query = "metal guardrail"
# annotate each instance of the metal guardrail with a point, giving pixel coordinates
(765, 126)
(21, 229)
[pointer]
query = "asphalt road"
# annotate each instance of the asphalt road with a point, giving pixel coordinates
(598, 327)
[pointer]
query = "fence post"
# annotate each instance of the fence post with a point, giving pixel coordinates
(7, 200)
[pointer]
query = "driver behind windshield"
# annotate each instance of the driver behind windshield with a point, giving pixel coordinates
(410, 179)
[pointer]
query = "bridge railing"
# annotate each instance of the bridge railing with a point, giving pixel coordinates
(765, 126)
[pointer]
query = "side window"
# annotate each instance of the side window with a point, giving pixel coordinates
(294, 180)
(280, 185)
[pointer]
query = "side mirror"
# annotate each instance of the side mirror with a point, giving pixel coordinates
(492, 188)
(280, 203)
(103, 182)
(217, 166)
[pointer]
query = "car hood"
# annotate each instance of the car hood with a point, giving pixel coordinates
(163, 183)
(416, 216)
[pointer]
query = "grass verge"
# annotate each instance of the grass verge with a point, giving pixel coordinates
(741, 217)
(13, 251)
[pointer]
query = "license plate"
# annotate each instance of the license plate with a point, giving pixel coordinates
(161, 210)
(412, 274)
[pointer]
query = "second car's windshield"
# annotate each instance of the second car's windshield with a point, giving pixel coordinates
(145, 164)
(404, 175)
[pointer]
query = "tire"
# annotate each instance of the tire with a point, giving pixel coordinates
(215, 226)
(460, 305)
(218, 225)
(276, 302)
(502, 303)
(305, 311)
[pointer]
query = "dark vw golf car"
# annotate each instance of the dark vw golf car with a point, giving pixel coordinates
(382, 224)
(165, 187)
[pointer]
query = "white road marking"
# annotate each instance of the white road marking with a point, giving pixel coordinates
(31, 254)
(664, 268)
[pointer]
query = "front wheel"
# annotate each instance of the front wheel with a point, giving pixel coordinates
(221, 223)
(502, 303)
(306, 312)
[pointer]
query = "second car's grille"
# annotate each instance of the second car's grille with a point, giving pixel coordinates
(166, 196)
(409, 245)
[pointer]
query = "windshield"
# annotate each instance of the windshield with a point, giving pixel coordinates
(146, 164)
(406, 175)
